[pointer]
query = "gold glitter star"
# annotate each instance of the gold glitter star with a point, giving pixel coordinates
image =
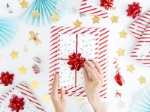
(79, 100)
(1, 57)
(123, 34)
(113, 8)
(95, 19)
(24, 4)
(114, 19)
(77, 23)
(142, 80)
(130, 68)
(34, 84)
(14, 54)
(22, 70)
(35, 13)
(54, 17)
(46, 98)
(120, 52)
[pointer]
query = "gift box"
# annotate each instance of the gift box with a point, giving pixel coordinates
(31, 104)
(93, 8)
(90, 43)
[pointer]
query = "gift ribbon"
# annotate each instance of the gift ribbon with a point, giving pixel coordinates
(107, 4)
(75, 61)
(6, 78)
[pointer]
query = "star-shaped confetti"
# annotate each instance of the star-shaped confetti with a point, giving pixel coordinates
(35, 13)
(120, 52)
(1, 57)
(54, 17)
(24, 4)
(106, 104)
(123, 34)
(79, 100)
(95, 19)
(77, 23)
(130, 68)
(121, 104)
(113, 8)
(114, 19)
(59, 6)
(46, 98)
(14, 54)
(142, 80)
(34, 84)
(22, 70)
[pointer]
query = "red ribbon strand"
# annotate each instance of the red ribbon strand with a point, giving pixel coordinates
(107, 4)
(6, 78)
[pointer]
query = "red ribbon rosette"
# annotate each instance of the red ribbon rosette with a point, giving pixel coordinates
(76, 61)
(134, 10)
(16, 103)
(6, 78)
(107, 4)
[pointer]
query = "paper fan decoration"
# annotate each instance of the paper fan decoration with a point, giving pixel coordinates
(141, 102)
(8, 29)
(45, 12)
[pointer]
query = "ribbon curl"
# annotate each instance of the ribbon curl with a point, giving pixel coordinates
(134, 10)
(107, 4)
(76, 61)
(6, 78)
(16, 103)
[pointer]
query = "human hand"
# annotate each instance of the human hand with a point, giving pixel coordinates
(59, 102)
(92, 87)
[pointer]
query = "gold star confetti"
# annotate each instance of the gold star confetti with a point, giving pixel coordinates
(35, 13)
(22, 70)
(46, 98)
(142, 80)
(53, 109)
(79, 100)
(95, 19)
(1, 57)
(77, 23)
(123, 34)
(14, 54)
(54, 17)
(24, 4)
(114, 19)
(33, 36)
(120, 52)
(34, 84)
(130, 68)
(113, 8)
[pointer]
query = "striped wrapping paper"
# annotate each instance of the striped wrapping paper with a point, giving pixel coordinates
(25, 91)
(101, 54)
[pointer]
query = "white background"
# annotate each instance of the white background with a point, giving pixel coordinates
(129, 90)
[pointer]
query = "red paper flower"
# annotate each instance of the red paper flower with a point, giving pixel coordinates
(119, 79)
(16, 103)
(6, 78)
(107, 4)
(76, 61)
(134, 10)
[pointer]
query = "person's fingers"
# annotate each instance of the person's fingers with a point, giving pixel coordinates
(90, 64)
(91, 71)
(55, 85)
(62, 93)
(85, 75)
(97, 66)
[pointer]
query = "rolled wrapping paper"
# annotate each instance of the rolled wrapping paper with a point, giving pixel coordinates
(35, 69)
(37, 59)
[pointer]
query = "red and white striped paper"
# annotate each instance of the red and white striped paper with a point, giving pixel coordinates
(101, 52)
(23, 88)
(86, 8)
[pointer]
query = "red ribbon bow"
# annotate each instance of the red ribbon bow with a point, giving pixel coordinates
(16, 103)
(134, 10)
(119, 79)
(107, 4)
(6, 78)
(76, 61)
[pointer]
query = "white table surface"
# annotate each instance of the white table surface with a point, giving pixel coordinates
(129, 90)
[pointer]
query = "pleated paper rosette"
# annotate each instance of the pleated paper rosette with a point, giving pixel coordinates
(45, 9)
(8, 29)
(141, 102)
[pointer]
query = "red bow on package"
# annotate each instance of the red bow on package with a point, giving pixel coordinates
(16, 103)
(6, 78)
(134, 10)
(76, 61)
(107, 4)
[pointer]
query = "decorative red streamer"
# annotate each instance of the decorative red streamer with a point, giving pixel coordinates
(6, 78)
(134, 10)
(107, 4)
(16, 103)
